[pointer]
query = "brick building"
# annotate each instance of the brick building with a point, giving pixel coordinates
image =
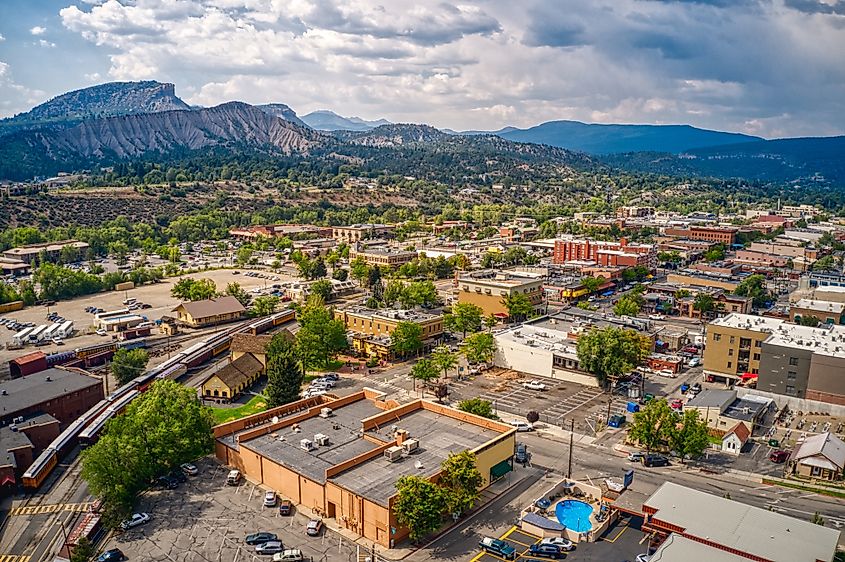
(718, 234)
(608, 254)
(64, 394)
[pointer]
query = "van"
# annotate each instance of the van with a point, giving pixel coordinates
(234, 478)
(521, 454)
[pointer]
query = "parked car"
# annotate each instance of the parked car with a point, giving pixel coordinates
(655, 460)
(522, 426)
(260, 538)
(560, 542)
(534, 385)
(101, 332)
(136, 520)
(521, 454)
(546, 551)
(497, 547)
(676, 404)
(167, 481)
(234, 478)
(269, 547)
(189, 469)
(313, 528)
(270, 499)
(636, 456)
(656, 317)
(285, 507)
(289, 555)
(112, 555)
(643, 557)
(694, 362)
(665, 373)
(779, 456)
(332, 376)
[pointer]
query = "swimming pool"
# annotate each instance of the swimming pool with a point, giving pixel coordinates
(575, 515)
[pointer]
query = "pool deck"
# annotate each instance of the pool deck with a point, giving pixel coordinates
(546, 523)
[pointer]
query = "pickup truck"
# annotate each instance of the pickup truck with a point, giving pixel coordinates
(498, 547)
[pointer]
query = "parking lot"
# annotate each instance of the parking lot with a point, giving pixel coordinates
(622, 541)
(204, 519)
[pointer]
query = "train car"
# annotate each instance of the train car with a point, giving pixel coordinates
(173, 372)
(90, 434)
(40, 469)
(98, 358)
(60, 358)
(84, 352)
(133, 343)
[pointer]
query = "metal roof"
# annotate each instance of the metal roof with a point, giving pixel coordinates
(20, 394)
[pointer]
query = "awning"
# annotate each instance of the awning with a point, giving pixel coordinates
(499, 470)
(746, 376)
(7, 480)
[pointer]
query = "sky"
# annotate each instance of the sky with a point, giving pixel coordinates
(773, 68)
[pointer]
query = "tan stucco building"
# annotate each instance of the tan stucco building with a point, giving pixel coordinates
(340, 458)
(209, 312)
(382, 256)
(488, 288)
(369, 329)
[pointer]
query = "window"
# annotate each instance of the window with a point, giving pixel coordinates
(756, 356)
(730, 364)
(791, 375)
(815, 471)
(793, 361)
(758, 343)
(733, 339)
(717, 337)
(730, 352)
(790, 390)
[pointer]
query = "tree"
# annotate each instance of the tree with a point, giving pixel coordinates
(188, 289)
(465, 317)
(610, 352)
(592, 284)
(689, 437)
(359, 270)
(704, 304)
(817, 519)
(424, 370)
(717, 253)
(84, 551)
(265, 305)
(518, 305)
(340, 274)
(826, 263)
(477, 406)
(406, 338)
(532, 417)
(490, 322)
(235, 290)
(128, 364)
(320, 336)
(393, 292)
(161, 429)
(754, 286)
(812, 321)
(421, 293)
(626, 306)
(318, 270)
(460, 480)
(323, 287)
(652, 425)
(479, 347)
(244, 255)
(419, 505)
(284, 371)
(444, 359)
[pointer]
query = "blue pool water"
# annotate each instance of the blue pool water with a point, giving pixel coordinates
(575, 515)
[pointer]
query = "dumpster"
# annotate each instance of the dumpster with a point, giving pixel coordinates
(774, 443)
(633, 407)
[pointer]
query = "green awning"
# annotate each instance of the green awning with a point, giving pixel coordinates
(499, 470)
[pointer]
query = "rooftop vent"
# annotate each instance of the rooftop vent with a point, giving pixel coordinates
(321, 440)
(306, 445)
(393, 454)
(325, 412)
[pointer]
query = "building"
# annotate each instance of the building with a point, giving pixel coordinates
(607, 254)
(722, 409)
(340, 458)
(629, 212)
(703, 282)
(785, 250)
(237, 375)
(693, 525)
(209, 312)
(52, 251)
(357, 232)
(718, 234)
(816, 279)
(369, 329)
(725, 303)
(735, 439)
(761, 259)
(27, 364)
(20, 443)
(827, 312)
(13, 267)
(734, 346)
(488, 289)
(62, 393)
(820, 457)
(382, 256)
(293, 231)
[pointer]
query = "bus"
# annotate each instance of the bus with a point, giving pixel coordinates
(37, 334)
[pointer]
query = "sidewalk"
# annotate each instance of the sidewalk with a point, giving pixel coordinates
(546, 429)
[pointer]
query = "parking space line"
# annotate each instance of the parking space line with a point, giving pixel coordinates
(619, 534)
(508, 532)
(477, 557)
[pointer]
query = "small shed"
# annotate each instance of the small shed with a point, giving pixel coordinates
(735, 439)
(27, 364)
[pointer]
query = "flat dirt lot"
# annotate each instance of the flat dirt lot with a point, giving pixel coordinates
(157, 295)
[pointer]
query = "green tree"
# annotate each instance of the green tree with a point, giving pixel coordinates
(323, 287)
(320, 336)
(419, 506)
(460, 480)
(444, 359)
(406, 338)
(717, 253)
(421, 293)
(244, 255)
(359, 270)
(128, 364)
(689, 437)
(610, 352)
(518, 305)
(754, 286)
(264, 305)
(465, 317)
(161, 429)
(477, 406)
(812, 321)
(318, 270)
(592, 284)
(84, 551)
(827, 263)
(393, 291)
(424, 370)
(705, 304)
(235, 290)
(626, 306)
(479, 347)
(188, 289)
(284, 371)
(652, 425)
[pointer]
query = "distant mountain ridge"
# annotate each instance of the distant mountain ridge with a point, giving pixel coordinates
(596, 138)
(325, 120)
(283, 111)
(104, 100)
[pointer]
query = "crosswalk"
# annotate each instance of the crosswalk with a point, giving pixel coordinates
(49, 508)
(14, 557)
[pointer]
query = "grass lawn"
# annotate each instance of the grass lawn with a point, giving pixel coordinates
(255, 405)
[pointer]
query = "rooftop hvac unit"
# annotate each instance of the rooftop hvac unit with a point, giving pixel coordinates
(321, 440)
(410, 446)
(306, 445)
(325, 412)
(393, 454)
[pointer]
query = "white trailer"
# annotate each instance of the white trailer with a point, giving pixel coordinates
(37, 334)
(50, 332)
(66, 329)
(22, 337)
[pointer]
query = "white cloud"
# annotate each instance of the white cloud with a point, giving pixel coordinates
(766, 67)
(2, 38)
(38, 30)
(45, 43)
(14, 95)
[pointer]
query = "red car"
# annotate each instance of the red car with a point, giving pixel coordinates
(779, 456)
(676, 404)
(690, 349)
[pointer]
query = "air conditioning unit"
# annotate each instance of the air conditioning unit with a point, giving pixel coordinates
(410, 446)
(306, 445)
(393, 454)
(325, 412)
(321, 440)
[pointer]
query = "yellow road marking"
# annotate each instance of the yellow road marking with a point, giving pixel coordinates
(519, 542)
(508, 532)
(49, 508)
(625, 528)
(477, 557)
(14, 557)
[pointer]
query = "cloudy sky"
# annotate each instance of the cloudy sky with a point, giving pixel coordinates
(769, 67)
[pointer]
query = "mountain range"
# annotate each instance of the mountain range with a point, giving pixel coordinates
(121, 121)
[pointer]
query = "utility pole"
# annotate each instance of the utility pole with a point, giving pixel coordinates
(571, 437)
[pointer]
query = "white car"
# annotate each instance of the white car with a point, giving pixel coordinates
(560, 542)
(135, 520)
(534, 385)
(665, 373)
(694, 362)
(189, 469)
(270, 499)
(643, 558)
(289, 555)
(101, 332)
(522, 426)
(656, 317)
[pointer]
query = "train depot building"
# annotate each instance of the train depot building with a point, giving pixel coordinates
(65, 394)
(340, 458)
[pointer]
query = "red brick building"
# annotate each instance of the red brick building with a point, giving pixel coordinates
(607, 254)
(64, 394)
(718, 234)
(20, 443)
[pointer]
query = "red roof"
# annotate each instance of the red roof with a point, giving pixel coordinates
(30, 358)
(741, 431)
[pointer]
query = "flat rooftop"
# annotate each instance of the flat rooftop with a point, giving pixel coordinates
(391, 314)
(748, 529)
(31, 390)
(681, 549)
(438, 436)
(820, 305)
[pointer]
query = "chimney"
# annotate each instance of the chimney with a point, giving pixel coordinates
(401, 435)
